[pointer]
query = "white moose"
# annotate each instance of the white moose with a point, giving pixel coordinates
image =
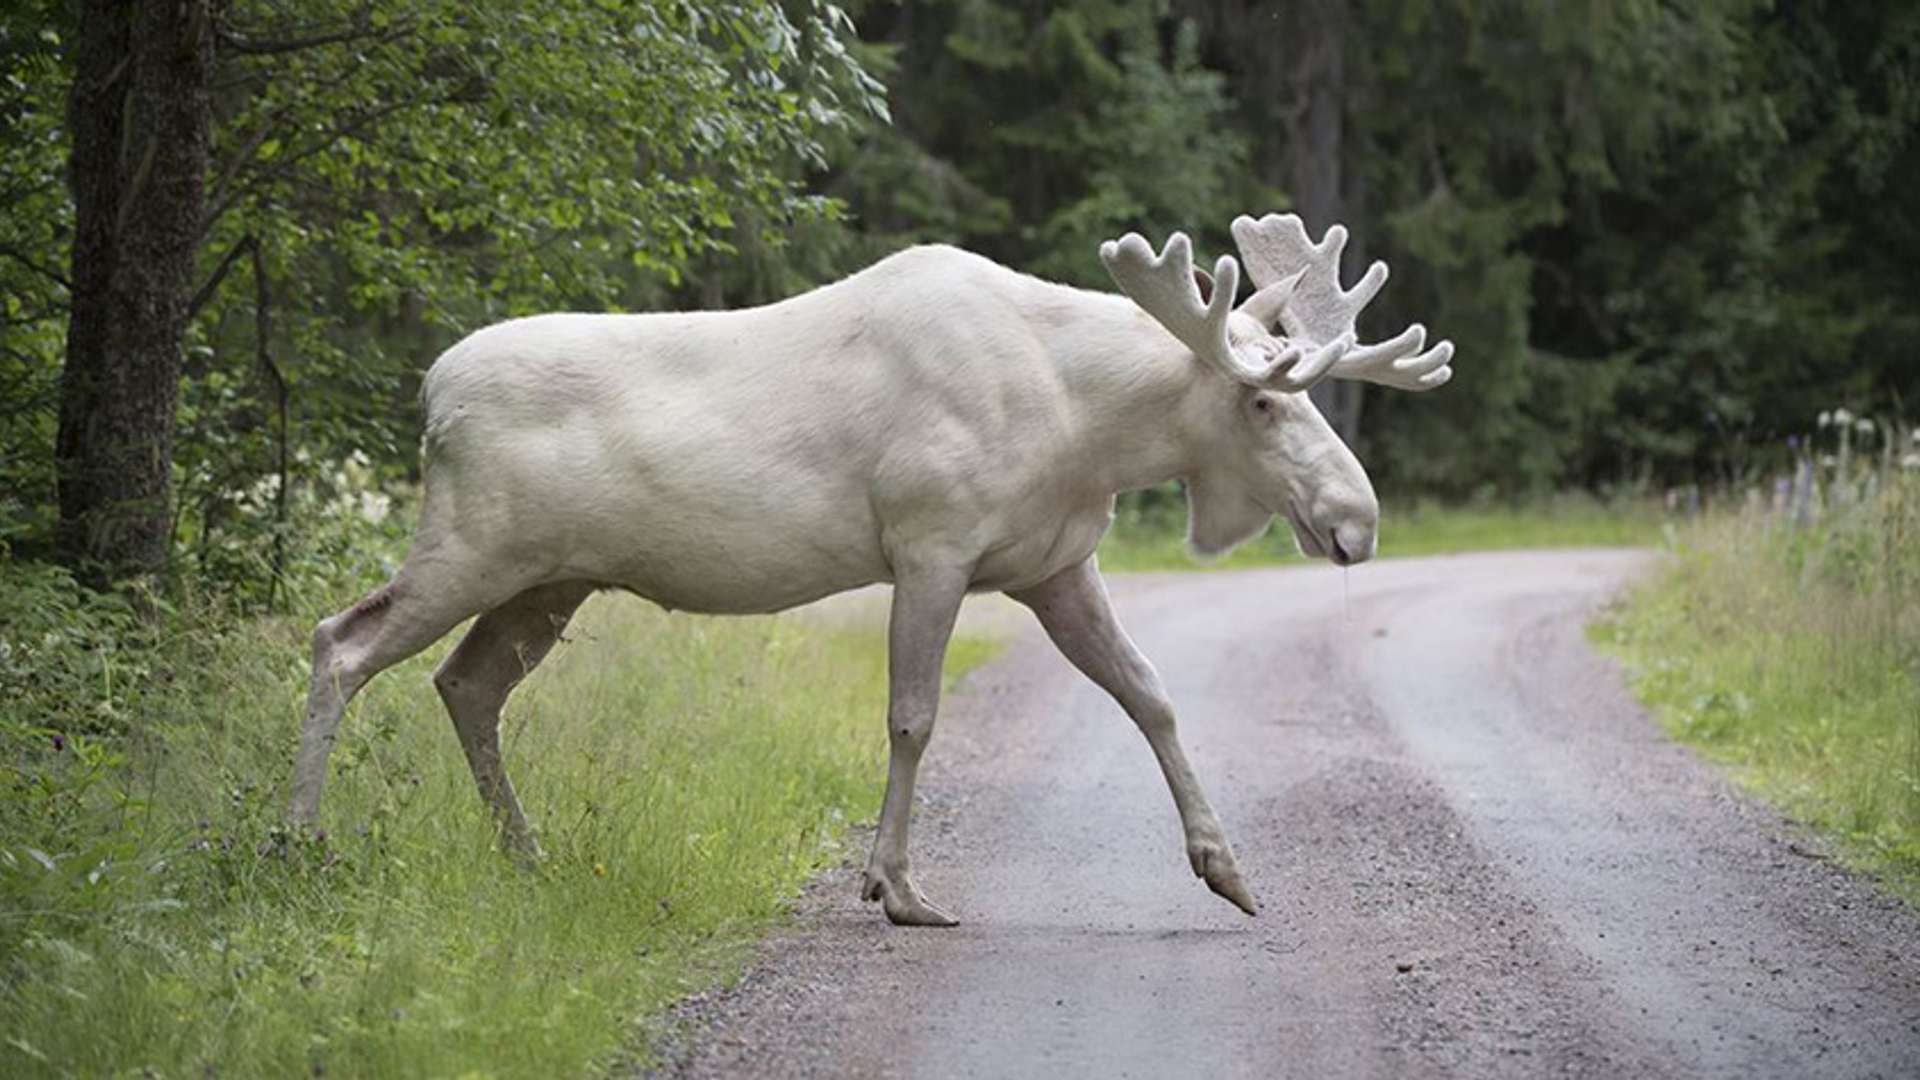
(936, 421)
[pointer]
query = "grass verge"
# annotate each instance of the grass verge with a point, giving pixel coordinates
(1152, 537)
(688, 774)
(1791, 653)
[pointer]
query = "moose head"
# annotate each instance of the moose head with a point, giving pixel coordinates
(1296, 329)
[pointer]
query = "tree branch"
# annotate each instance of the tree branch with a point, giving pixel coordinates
(275, 122)
(246, 46)
(22, 192)
(205, 292)
(249, 246)
(262, 326)
(48, 272)
(15, 396)
(283, 165)
(232, 169)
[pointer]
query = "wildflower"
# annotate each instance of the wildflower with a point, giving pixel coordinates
(600, 868)
(1863, 425)
(374, 506)
(1826, 419)
(1841, 418)
(1910, 461)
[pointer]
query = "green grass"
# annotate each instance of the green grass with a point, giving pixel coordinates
(1154, 540)
(1792, 654)
(688, 775)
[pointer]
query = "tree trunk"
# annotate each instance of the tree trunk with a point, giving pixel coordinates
(138, 117)
(1288, 61)
(1316, 49)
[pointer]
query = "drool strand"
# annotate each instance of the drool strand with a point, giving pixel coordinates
(1346, 595)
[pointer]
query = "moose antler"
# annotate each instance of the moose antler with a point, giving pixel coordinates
(1277, 249)
(1165, 287)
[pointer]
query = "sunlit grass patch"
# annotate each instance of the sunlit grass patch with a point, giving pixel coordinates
(687, 776)
(1792, 653)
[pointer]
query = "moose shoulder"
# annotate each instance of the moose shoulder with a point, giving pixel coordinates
(936, 421)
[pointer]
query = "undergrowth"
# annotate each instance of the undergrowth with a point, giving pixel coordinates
(1784, 640)
(156, 918)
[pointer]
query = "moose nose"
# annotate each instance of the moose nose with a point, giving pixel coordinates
(1350, 544)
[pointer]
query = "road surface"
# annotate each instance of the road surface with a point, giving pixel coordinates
(1475, 855)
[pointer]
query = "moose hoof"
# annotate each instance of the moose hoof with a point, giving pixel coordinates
(524, 850)
(1216, 866)
(903, 903)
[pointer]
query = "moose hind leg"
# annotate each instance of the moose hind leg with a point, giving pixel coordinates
(391, 624)
(502, 648)
(1074, 608)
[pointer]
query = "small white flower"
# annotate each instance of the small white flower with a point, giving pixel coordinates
(1842, 417)
(1863, 425)
(1828, 461)
(1910, 461)
(374, 507)
(1916, 436)
(1826, 419)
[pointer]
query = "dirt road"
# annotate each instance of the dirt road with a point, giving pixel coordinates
(1476, 858)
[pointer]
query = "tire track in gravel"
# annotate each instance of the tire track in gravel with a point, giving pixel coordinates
(1476, 858)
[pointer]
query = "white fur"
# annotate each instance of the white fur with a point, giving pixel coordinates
(936, 421)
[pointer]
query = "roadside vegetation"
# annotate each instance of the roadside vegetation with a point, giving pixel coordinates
(689, 774)
(1783, 639)
(1149, 532)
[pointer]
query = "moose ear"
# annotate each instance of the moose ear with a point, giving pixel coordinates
(1204, 282)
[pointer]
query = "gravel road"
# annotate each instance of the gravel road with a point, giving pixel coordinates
(1475, 855)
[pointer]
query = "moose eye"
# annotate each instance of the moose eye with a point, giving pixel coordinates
(1264, 404)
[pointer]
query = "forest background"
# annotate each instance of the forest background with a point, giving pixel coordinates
(1675, 244)
(1663, 236)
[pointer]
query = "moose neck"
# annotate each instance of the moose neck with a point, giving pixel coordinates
(1147, 409)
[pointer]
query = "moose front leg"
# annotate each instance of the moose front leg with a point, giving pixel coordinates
(1074, 608)
(925, 605)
